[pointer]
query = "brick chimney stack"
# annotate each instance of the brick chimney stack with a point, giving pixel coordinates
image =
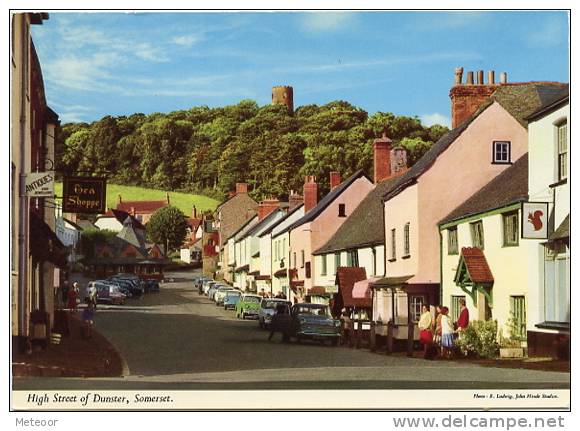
(382, 158)
(266, 207)
(398, 160)
(467, 97)
(310, 193)
(241, 188)
(294, 200)
(334, 180)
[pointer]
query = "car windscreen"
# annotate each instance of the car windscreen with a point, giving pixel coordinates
(252, 299)
(313, 311)
(271, 305)
(233, 293)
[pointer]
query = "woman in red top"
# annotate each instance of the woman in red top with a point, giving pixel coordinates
(463, 320)
(72, 297)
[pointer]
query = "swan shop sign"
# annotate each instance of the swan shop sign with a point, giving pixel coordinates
(535, 220)
(40, 184)
(84, 195)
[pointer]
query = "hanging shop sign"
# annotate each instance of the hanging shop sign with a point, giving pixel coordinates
(84, 195)
(535, 220)
(40, 184)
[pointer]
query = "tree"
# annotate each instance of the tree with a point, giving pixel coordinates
(168, 227)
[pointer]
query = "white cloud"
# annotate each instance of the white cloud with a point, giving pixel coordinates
(326, 21)
(436, 118)
(146, 51)
(186, 40)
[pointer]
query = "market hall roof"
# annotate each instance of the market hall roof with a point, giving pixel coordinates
(519, 99)
(509, 187)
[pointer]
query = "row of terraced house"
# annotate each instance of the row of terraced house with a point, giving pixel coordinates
(483, 216)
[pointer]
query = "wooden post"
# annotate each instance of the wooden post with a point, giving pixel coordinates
(358, 333)
(372, 340)
(351, 333)
(390, 330)
(410, 338)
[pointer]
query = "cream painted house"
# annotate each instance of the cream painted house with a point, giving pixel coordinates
(279, 238)
(238, 256)
(548, 317)
(463, 161)
(483, 257)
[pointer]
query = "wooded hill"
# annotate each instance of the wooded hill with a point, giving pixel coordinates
(207, 150)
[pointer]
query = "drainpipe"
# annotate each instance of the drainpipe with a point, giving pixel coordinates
(23, 201)
(440, 266)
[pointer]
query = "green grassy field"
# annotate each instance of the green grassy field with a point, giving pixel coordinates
(183, 201)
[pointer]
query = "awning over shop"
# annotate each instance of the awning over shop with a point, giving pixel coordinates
(318, 291)
(262, 277)
(362, 289)
(44, 244)
(242, 268)
(346, 278)
(254, 273)
(392, 282)
(563, 230)
(281, 273)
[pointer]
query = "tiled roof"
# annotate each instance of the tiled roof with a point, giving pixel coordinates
(85, 224)
(364, 227)
(193, 223)
(129, 235)
(550, 103)
(326, 201)
(563, 230)
(247, 225)
(346, 277)
(278, 222)
(476, 265)
(147, 207)
(520, 100)
(262, 224)
(509, 187)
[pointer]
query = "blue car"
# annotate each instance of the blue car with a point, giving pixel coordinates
(231, 298)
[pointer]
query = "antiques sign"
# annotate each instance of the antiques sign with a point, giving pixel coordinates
(84, 195)
(40, 184)
(535, 220)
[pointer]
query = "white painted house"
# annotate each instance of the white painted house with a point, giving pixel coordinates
(548, 317)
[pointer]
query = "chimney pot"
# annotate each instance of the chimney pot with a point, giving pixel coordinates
(469, 78)
(491, 77)
(334, 180)
(458, 75)
(266, 207)
(503, 78)
(480, 77)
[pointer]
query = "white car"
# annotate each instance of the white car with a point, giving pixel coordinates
(220, 294)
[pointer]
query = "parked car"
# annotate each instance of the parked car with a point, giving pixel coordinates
(207, 285)
(314, 321)
(212, 288)
(129, 283)
(108, 293)
(231, 298)
(151, 286)
(268, 309)
(220, 294)
(248, 305)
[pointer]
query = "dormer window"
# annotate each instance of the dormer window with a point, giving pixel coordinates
(501, 152)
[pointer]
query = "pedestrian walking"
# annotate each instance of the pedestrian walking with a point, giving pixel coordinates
(426, 334)
(281, 322)
(73, 296)
(92, 294)
(345, 322)
(447, 334)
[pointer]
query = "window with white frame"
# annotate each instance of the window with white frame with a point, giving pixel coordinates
(352, 258)
(501, 151)
(518, 315)
(323, 267)
(302, 259)
(336, 261)
(456, 306)
(511, 232)
(562, 136)
(452, 247)
(393, 245)
(477, 234)
(415, 306)
(407, 244)
(557, 283)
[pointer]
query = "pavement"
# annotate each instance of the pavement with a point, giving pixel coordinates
(177, 339)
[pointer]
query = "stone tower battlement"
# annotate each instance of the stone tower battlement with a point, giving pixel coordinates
(283, 95)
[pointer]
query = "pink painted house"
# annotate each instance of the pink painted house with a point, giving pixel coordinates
(484, 144)
(320, 221)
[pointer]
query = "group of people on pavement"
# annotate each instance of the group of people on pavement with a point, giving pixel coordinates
(73, 299)
(438, 335)
(264, 294)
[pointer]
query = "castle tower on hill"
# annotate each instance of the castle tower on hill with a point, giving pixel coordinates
(283, 95)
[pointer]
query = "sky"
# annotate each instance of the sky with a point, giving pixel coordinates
(97, 64)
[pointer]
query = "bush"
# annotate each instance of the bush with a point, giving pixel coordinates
(479, 339)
